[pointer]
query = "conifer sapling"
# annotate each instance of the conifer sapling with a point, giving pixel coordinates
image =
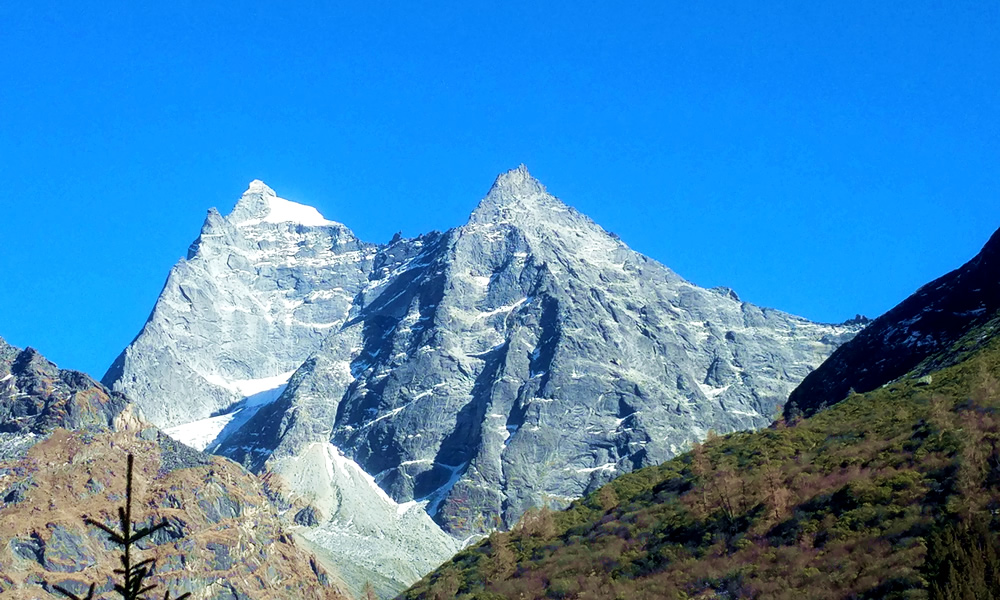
(132, 586)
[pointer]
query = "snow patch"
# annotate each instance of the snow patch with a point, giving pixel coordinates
(362, 525)
(284, 211)
(743, 413)
(435, 499)
(200, 434)
(351, 470)
(503, 309)
(605, 467)
(251, 387)
(712, 392)
(405, 506)
(211, 431)
(280, 210)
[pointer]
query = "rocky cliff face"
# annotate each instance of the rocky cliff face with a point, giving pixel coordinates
(521, 359)
(925, 324)
(526, 358)
(259, 292)
(36, 396)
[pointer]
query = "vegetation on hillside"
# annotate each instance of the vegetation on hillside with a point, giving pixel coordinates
(889, 494)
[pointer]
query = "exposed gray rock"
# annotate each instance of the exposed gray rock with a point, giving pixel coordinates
(14, 493)
(65, 551)
(220, 507)
(74, 586)
(15, 445)
(220, 559)
(36, 397)
(307, 517)
(527, 358)
(29, 549)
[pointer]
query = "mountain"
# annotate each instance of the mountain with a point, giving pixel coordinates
(893, 493)
(522, 359)
(222, 541)
(63, 443)
(903, 339)
(259, 292)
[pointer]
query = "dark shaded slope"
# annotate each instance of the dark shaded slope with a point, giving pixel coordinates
(925, 324)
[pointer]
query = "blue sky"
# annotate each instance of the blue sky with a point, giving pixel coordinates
(824, 158)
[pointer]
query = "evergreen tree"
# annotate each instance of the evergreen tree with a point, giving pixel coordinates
(963, 562)
(134, 574)
(369, 591)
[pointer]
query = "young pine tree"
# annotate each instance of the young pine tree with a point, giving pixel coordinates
(369, 591)
(133, 574)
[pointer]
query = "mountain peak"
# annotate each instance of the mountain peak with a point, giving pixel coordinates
(515, 193)
(261, 204)
(253, 204)
(259, 186)
(516, 183)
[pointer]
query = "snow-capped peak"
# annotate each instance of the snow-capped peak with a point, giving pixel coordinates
(260, 204)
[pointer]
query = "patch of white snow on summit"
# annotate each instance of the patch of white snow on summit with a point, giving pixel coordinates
(280, 210)
(284, 211)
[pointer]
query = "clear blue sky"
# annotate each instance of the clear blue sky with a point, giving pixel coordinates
(824, 158)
